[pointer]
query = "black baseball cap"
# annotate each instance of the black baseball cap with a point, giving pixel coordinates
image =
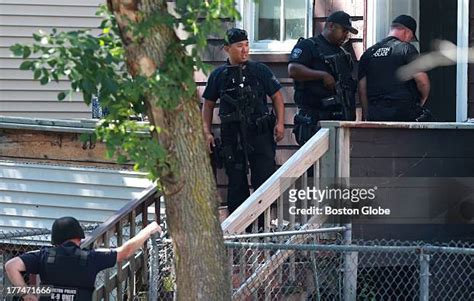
(408, 22)
(235, 35)
(65, 228)
(342, 18)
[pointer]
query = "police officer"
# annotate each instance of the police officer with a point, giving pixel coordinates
(384, 97)
(316, 64)
(248, 131)
(67, 268)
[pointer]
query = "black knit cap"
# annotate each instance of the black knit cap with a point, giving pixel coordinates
(343, 19)
(65, 228)
(235, 35)
(408, 22)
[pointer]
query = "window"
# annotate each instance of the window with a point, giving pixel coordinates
(275, 25)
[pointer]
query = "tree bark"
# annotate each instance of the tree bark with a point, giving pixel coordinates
(191, 197)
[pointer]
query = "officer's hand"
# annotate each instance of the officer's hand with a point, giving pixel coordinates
(279, 131)
(210, 142)
(30, 298)
(153, 228)
(329, 82)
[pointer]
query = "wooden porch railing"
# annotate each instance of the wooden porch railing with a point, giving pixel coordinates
(112, 232)
(327, 153)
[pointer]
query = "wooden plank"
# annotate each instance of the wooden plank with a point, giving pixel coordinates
(27, 31)
(22, 85)
(32, 96)
(440, 143)
(412, 167)
(62, 174)
(91, 21)
(266, 194)
(43, 106)
(49, 10)
(84, 190)
(54, 2)
(10, 198)
(49, 146)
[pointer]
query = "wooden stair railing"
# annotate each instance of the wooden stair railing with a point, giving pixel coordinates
(273, 190)
(112, 230)
(328, 153)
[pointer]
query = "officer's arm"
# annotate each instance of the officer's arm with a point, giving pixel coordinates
(14, 267)
(278, 104)
(302, 73)
(132, 245)
(423, 84)
(363, 98)
(207, 112)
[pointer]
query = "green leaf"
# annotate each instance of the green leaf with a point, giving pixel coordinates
(37, 74)
(44, 80)
(17, 50)
(26, 52)
(26, 65)
(61, 96)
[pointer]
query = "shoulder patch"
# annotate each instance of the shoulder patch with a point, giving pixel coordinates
(382, 52)
(296, 53)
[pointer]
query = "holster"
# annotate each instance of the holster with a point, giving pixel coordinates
(265, 123)
(217, 156)
(305, 127)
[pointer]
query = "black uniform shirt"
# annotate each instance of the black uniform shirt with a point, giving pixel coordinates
(255, 74)
(379, 65)
(309, 93)
(82, 276)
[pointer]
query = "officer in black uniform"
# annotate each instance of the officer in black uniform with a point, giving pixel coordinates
(322, 73)
(249, 132)
(384, 97)
(68, 269)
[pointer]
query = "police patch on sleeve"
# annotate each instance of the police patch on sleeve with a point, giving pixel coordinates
(296, 53)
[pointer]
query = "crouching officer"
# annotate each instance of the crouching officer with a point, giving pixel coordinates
(248, 130)
(384, 97)
(322, 73)
(69, 270)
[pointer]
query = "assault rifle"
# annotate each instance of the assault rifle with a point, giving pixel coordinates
(243, 105)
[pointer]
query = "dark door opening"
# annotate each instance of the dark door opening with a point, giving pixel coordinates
(438, 20)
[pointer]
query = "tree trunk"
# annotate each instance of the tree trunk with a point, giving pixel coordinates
(190, 192)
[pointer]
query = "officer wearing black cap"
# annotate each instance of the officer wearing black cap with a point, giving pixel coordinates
(249, 132)
(68, 269)
(384, 97)
(316, 64)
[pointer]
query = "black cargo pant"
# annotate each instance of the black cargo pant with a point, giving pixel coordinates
(261, 158)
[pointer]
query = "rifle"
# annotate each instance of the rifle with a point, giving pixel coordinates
(342, 96)
(243, 110)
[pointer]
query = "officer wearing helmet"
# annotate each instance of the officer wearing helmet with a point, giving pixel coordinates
(68, 269)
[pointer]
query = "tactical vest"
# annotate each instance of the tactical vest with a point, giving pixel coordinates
(343, 60)
(69, 274)
(320, 52)
(251, 89)
(386, 47)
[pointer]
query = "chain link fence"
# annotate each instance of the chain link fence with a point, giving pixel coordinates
(305, 265)
(320, 266)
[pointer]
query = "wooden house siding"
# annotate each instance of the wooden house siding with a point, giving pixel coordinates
(20, 95)
(33, 195)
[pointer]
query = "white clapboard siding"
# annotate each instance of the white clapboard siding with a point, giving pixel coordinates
(20, 95)
(33, 195)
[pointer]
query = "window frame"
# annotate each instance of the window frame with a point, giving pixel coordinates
(248, 9)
